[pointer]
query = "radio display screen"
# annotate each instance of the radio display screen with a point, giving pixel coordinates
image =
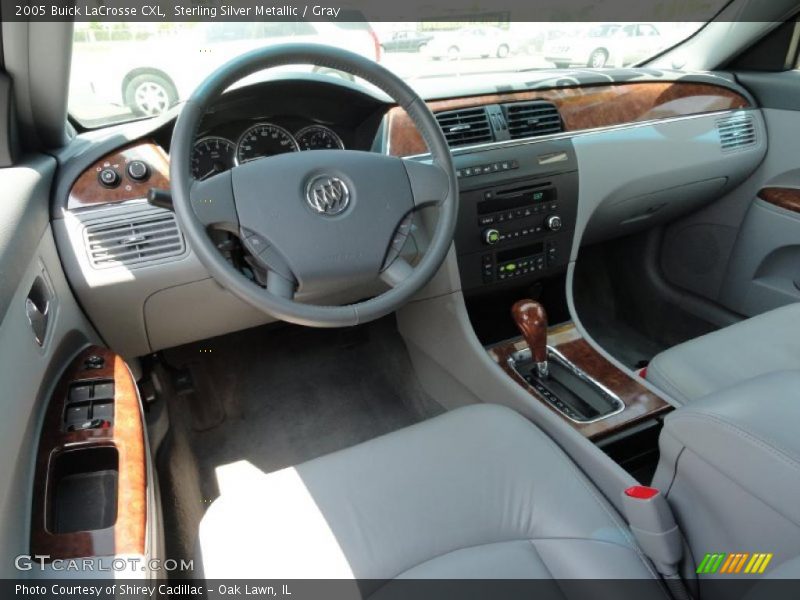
(516, 253)
(511, 199)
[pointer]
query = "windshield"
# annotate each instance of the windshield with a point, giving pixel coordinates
(125, 71)
(602, 30)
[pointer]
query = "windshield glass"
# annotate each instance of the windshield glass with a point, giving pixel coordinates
(124, 71)
(602, 31)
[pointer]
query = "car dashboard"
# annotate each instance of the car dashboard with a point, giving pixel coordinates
(544, 169)
(282, 117)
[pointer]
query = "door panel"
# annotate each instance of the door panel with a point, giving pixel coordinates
(33, 289)
(764, 270)
(744, 252)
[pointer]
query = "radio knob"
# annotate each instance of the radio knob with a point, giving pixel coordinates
(491, 236)
(553, 222)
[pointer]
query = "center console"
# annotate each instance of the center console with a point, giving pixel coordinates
(517, 214)
(557, 366)
(519, 206)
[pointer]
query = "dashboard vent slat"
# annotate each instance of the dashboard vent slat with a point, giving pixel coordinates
(531, 119)
(134, 240)
(465, 126)
(736, 132)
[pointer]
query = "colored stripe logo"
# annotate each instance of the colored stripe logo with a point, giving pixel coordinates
(734, 563)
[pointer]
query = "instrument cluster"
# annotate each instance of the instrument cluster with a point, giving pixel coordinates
(214, 154)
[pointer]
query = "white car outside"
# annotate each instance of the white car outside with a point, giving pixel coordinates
(477, 42)
(157, 73)
(605, 44)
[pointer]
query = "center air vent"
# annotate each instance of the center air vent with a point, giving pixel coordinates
(530, 119)
(136, 239)
(466, 126)
(736, 132)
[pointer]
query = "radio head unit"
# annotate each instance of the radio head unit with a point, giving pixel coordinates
(519, 230)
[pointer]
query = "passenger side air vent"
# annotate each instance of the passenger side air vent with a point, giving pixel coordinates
(736, 132)
(465, 126)
(530, 119)
(137, 239)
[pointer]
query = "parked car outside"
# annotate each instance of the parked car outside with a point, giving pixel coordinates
(606, 44)
(475, 42)
(531, 40)
(160, 72)
(636, 42)
(406, 41)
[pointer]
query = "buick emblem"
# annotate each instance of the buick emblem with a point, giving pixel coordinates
(327, 195)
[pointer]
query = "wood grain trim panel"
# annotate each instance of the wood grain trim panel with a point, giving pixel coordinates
(640, 402)
(786, 198)
(586, 107)
(88, 191)
(127, 535)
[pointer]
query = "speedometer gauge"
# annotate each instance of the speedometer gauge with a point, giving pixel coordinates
(264, 139)
(212, 155)
(318, 137)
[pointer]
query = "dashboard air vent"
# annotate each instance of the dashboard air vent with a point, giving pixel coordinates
(530, 119)
(137, 239)
(466, 126)
(736, 132)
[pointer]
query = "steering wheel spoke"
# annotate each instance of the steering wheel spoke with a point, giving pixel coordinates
(429, 182)
(397, 272)
(213, 202)
(279, 277)
(280, 286)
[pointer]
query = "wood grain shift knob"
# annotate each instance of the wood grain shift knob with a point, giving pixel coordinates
(531, 318)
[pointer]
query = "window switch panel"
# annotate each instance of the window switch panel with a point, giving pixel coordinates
(76, 413)
(80, 393)
(103, 410)
(103, 391)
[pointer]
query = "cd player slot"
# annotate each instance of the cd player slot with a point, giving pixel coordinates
(521, 190)
(494, 201)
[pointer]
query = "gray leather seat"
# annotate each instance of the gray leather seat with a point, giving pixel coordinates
(478, 492)
(763, 344)
(730, 465)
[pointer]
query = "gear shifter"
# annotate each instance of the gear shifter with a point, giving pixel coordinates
(531, 318)
(552, 377)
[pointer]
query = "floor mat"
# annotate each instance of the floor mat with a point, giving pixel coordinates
(627, 344)
(278, 396)
(621, 310)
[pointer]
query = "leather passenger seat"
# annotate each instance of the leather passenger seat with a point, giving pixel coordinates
(762, 344)
(478, 492)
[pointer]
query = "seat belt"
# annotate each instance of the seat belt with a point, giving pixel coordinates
(653, 525)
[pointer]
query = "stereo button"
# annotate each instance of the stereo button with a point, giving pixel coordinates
(491, 236)
(553, 223)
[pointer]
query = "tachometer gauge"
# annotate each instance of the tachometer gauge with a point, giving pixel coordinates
(318, 137)
(264, 139)
(212, 155)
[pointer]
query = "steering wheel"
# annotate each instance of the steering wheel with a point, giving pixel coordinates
(320, 221)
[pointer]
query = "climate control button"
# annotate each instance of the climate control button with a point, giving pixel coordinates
(491, 236)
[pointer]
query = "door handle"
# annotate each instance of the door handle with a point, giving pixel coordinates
(37, 309)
